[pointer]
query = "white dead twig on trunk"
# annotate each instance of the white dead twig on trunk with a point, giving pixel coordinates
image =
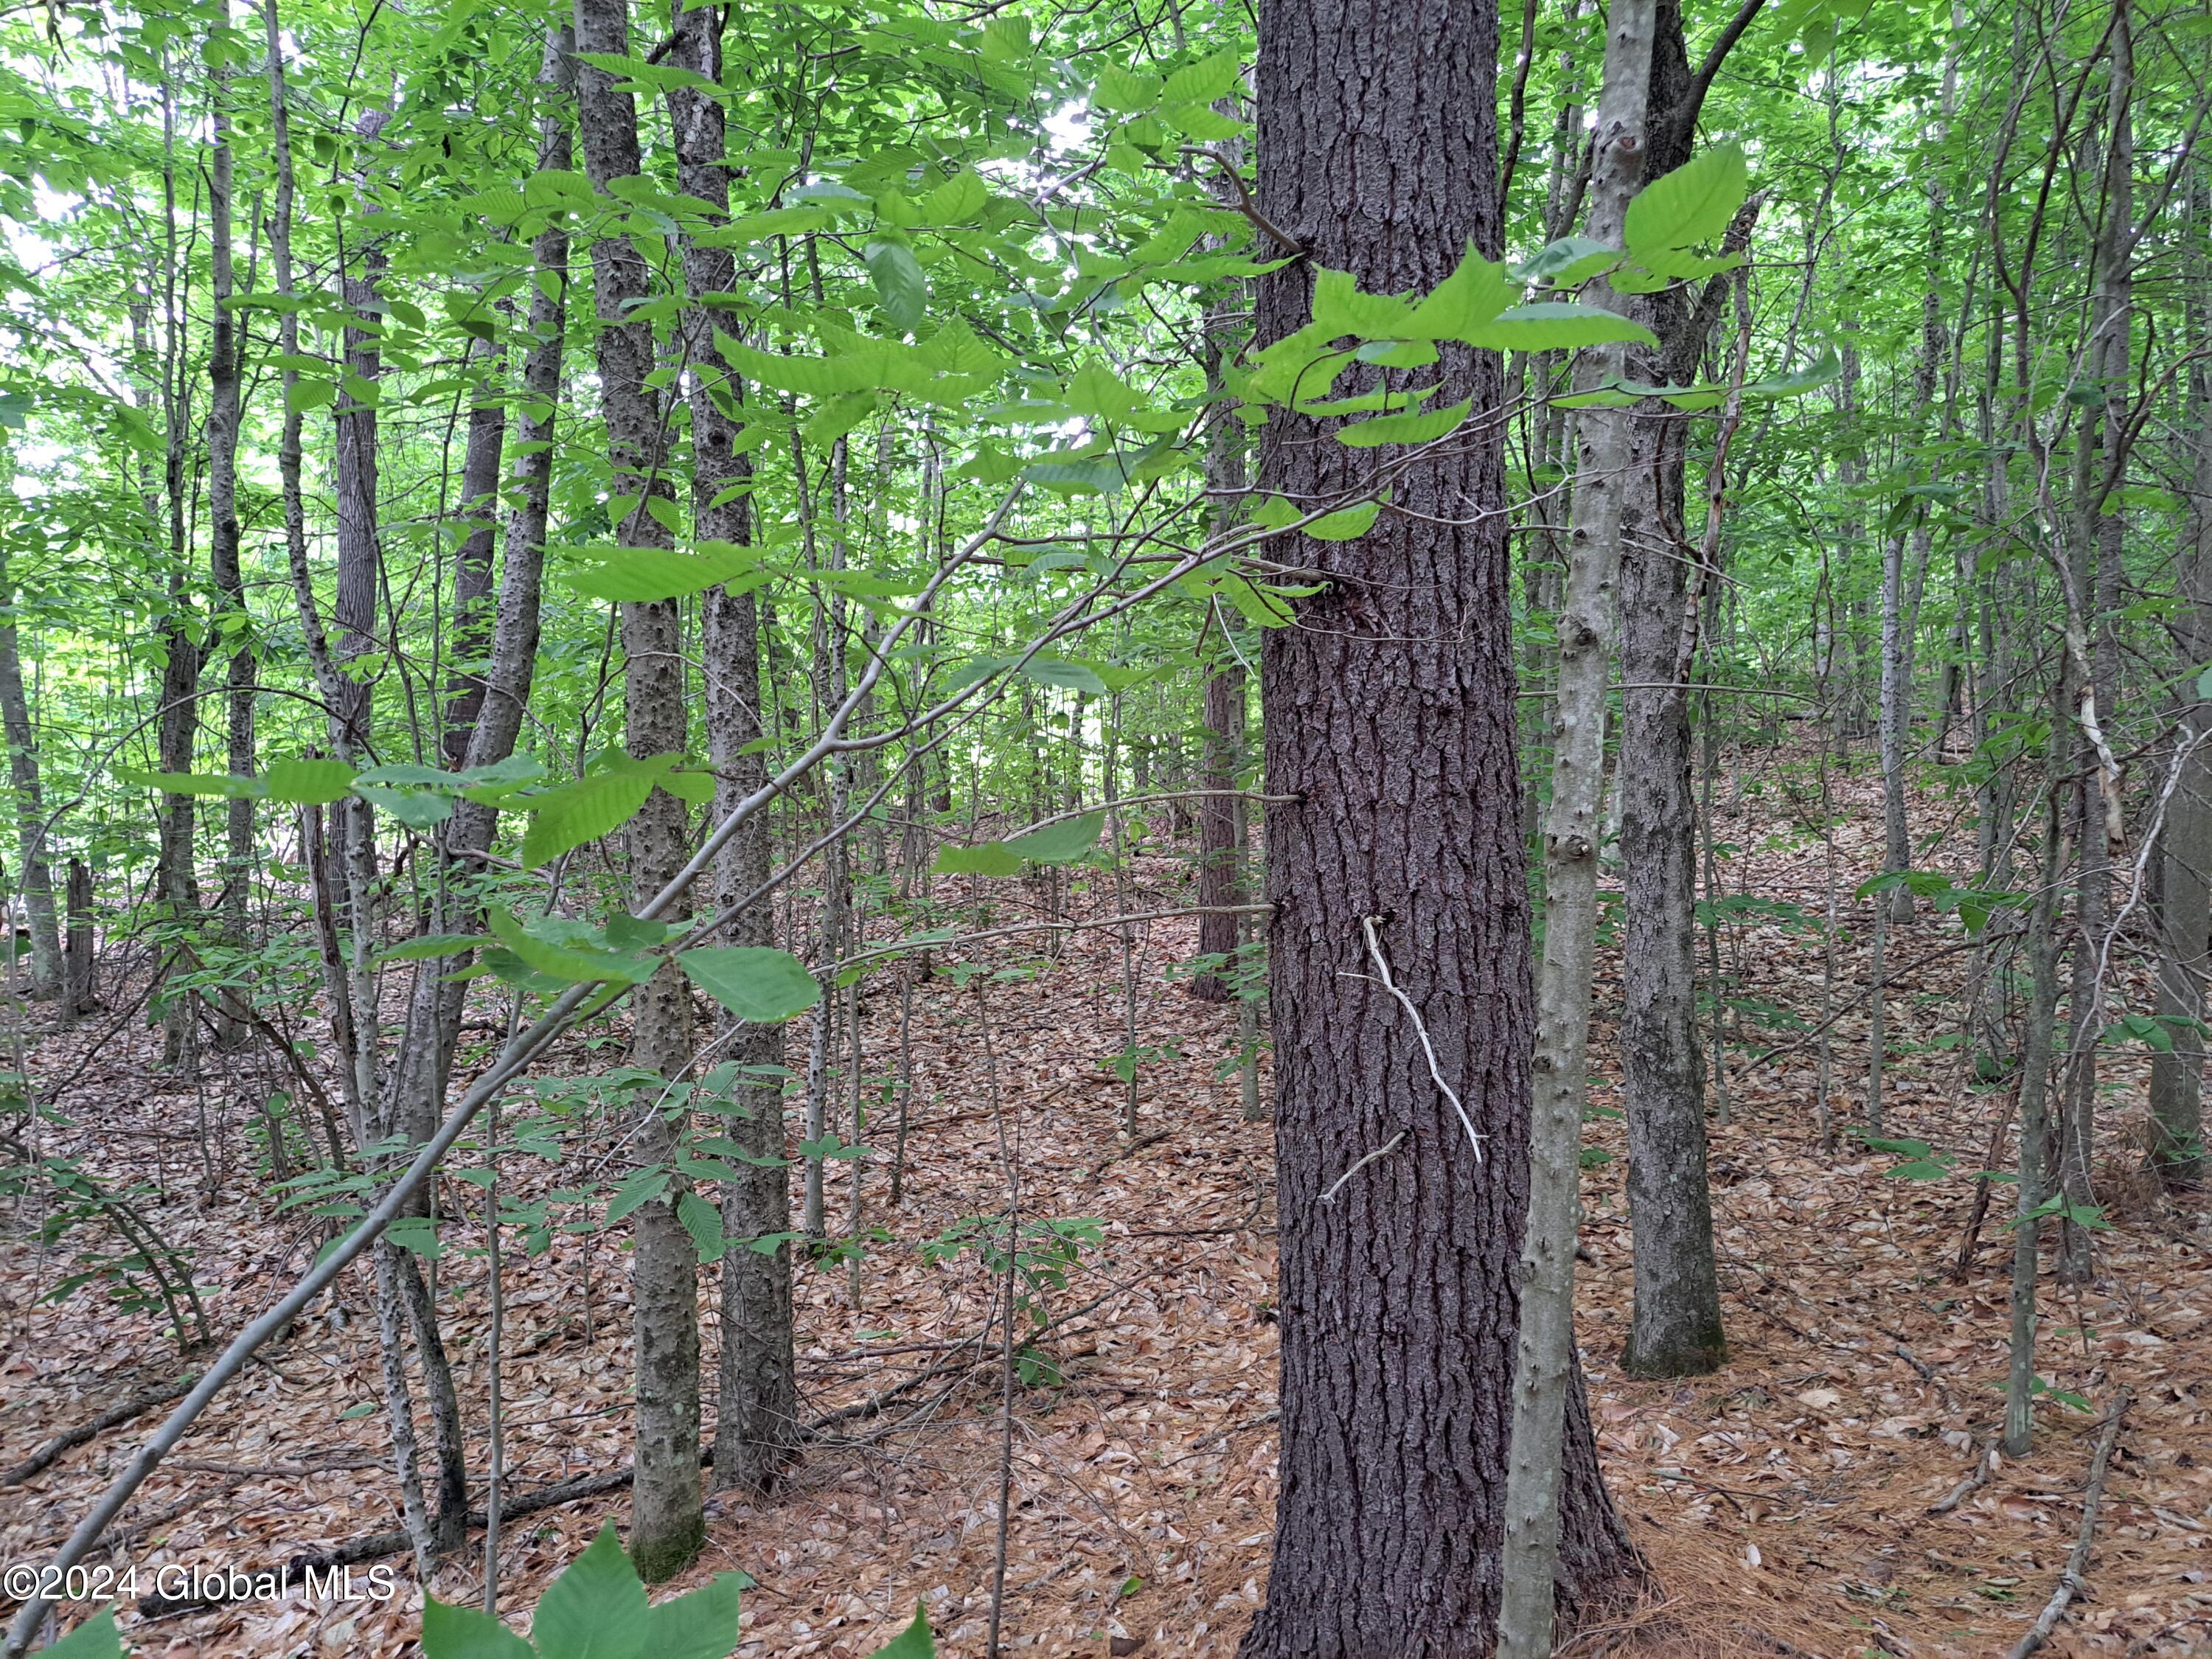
(1383, 1150)
(1383, 967)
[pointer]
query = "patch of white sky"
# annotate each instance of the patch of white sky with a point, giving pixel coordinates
(84, 80)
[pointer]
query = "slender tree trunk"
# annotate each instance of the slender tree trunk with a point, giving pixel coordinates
(1608, 509)
(78, 996)
(494, 697)
(667, 1524)
(474, 609)
(1220, 845)
(1219, 875)
(2104, 439)
(1389, 716)
(354, 608)
(38, 883)
(1675, 1330)
(2177, 1078)
(222, 428)
(1895, 719)
(756, 1422)
(2034, 1089)
(176, 882)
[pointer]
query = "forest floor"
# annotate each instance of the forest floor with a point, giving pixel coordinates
(1784, 1501)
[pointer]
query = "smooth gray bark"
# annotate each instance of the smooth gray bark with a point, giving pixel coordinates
(1605, 498)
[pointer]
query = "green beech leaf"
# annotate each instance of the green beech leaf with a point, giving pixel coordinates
(1067, 675)
(1473, 294)
(702, 1624)
(1076, 477)
(430, 946)
(417, 809)
(562, 961)
(637, 1191)
(1205, 81)
(1692, 204)
(1829, 367)
(1339, 308)
(594, 806)
(989, 858)
(1348, 524)
(405, 774)
(900, 288)
(95, 1639)
(759, 985)
(1059, 843)
(190, 783)
(1411, 429)
(1567, 262)
(1556, 325)
(307, 782)
(1125, 90)
(596, 1609)
(450, 1632)
(704, 1223)
(915, 1642)
(643, 574)
(958, 199)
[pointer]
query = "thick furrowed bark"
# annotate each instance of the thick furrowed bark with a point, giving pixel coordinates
(1389, 715)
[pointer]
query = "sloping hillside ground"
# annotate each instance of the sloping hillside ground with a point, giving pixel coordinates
(1782, 1501)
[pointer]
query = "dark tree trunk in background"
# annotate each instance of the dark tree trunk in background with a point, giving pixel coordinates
(1220, 883)
(1390, 713)
(473, 606)
(78, 997)
(2177, 1078)
(756, 1418)
(224, 366)
(667, 1524)
(1676, 1325)
(37, 888)
(1221, 878)
(493, 697)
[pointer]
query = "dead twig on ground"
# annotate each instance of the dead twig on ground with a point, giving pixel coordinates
(2071, 1582)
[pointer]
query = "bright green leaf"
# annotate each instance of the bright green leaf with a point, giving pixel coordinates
(596, 1609)
(452, 1632)
(1692, 204)
(759, 985)
(308, 782)
(1059, 843)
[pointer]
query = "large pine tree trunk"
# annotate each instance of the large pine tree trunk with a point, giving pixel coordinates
(1389, 714)
(756, 1418)
(667, 1524)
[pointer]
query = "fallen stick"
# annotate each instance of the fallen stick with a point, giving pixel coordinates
(43, 1459)
(376, 1545)
(2071, 1582)
(1985, 1466)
